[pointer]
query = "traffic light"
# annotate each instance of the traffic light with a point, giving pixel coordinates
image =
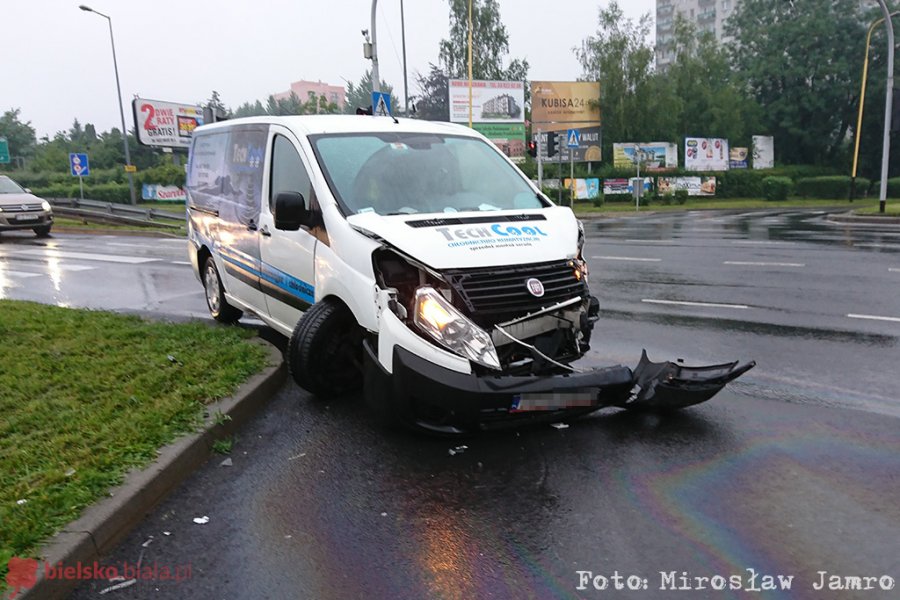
(552, 143)
(532, 149)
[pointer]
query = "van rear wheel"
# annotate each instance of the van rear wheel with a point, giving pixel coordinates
(325, 351)
(218, 306)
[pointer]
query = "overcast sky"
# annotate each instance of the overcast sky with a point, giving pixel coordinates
(58, 63)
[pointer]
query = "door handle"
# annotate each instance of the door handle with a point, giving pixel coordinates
(251, 226)
(265, 231)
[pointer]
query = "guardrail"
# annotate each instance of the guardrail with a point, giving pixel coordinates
(110, 212)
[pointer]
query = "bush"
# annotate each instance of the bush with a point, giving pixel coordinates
(833, 186)
(893, 187)
(777, 188)
(598, 201)
(648, 198)
(104, 192)
(740, 183)
(619, 198)
(681, 196)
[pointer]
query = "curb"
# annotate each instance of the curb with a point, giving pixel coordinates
(105, 523)
(849, 217)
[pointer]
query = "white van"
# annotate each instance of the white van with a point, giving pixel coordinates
(414, 260)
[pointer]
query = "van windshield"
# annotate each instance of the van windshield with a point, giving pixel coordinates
(408, 173)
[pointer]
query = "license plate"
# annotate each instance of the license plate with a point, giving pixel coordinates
(27, 217)
(553, 401)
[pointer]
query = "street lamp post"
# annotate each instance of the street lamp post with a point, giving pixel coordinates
(119, 96)
(888, 101)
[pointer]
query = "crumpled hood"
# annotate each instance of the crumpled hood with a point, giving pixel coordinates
(16, 199)
(478, 239)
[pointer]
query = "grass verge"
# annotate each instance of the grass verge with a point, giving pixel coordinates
(723, 203)
(78, 223)
(891, 209)
(87, 395)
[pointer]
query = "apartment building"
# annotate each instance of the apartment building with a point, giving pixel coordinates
(707, 15)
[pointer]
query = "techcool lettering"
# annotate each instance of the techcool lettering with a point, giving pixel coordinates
(494, 231)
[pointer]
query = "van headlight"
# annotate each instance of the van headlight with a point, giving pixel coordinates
(45, 205)
(439, 319)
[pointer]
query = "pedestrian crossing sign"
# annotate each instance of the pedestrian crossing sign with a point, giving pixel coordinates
(381, 104)
(573, 138)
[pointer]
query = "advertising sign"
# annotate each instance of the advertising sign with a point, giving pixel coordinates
(623, 186)
(705, 154)
(588, 150)
(508, 137)
(695, 186)
(165, 124)
(763, 152)
(492, 101)
(584, 189)
(737, 158)
(658, 156)
(163, 193)
(565, 102)
(4, 151)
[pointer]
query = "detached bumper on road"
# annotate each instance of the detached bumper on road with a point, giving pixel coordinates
(434, 398)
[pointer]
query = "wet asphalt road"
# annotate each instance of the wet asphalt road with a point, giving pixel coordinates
(793, 470)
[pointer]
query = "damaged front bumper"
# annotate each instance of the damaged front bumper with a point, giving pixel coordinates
(428, 396)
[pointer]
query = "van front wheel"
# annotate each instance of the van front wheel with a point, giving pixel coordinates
(325, 351)
(218, 306)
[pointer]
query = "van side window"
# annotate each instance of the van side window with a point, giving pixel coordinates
(288, 172)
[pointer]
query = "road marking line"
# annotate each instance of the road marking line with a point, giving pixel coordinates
(761, 264)
(21, 274)
(875, 318)
(64, 254)
(181, 262)
(763, 243)
(893, 270)
(686, 303)
(628, 258)
(892, 246)
(651, 241)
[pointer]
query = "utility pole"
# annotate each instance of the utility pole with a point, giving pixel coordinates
(376, 79)
(888, 102)
(405, 81)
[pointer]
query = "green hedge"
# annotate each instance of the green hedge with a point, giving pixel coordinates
(104, 192)
(777, 188)
(893, 187)
(834, 186)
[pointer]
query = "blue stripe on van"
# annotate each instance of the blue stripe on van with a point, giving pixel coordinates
(283, 281)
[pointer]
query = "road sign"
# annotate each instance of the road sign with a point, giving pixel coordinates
(573, 138)
(381, 104)
(132, 168)
(78, 164)
(4, 150)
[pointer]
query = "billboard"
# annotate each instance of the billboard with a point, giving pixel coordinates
(492, 101)
(737, 158)
(508, 137)
(565, 102)
(705, 154)
(763, 152)
(163, 193)
(623, 186)
(695, 186)
(658, 156)
(583, 189)
(588, 150)
(165, 124)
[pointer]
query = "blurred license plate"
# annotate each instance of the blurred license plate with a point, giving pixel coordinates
(27, 217)
(554, 401)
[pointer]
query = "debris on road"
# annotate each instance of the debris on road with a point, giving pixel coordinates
(559, 425)
(457, 450)
(201, 520)
(226, 463)
(147, 543)
(167, 533)
(301, 455)
(118, 586)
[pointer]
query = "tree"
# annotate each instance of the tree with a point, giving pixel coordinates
(490, 44)
(621, 59)
(433, 100)
(359, 95)
(250, 110)
(800, 60)
(20, 136)
(704, 98)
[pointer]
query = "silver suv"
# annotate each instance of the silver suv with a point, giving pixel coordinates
(20, 209)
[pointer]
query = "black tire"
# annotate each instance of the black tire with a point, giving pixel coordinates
(42, 231)
(218, 306)
(325, 351)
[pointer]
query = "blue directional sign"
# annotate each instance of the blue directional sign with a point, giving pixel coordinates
(381, 104)
(4, 150)
(573, 138)
(78, 164)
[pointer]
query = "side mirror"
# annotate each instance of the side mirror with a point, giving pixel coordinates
(27, 190)
(291, 211)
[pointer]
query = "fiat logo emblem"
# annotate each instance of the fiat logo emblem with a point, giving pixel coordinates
(535, 287)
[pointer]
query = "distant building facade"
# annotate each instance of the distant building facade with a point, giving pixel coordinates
(333, 93)
(706, 15)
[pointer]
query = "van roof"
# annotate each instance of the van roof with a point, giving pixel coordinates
(317, 124)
